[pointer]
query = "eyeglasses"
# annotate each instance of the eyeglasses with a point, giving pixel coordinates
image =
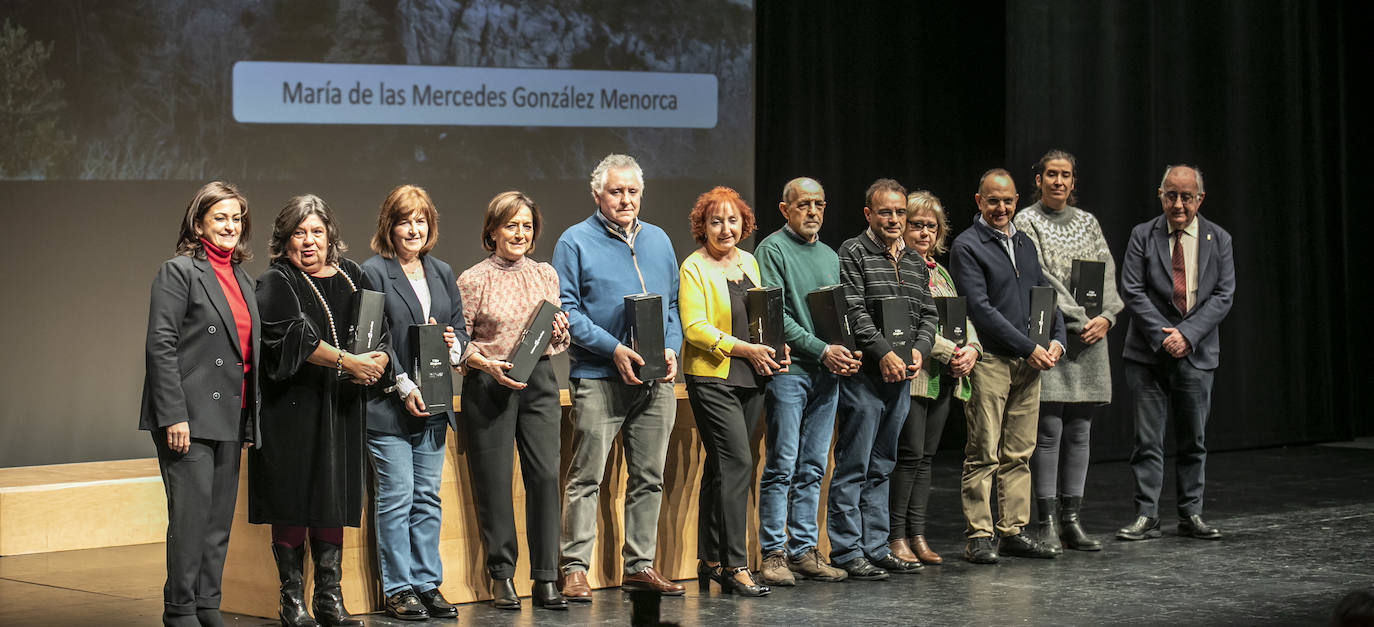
(1186, 197)
(918, 226)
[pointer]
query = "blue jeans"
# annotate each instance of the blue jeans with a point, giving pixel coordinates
(869, 422)
(407, 514)
(1169, 390)
(800, 421)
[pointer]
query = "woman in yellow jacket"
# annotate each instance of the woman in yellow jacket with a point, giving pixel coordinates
(725, 381)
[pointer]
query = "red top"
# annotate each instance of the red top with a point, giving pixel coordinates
(243, 322)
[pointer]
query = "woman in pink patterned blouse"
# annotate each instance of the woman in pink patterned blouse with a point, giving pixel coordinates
(499, 294)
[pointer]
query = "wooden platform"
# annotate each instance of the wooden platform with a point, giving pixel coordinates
(81, 506)
(104, 504)
(250, 579)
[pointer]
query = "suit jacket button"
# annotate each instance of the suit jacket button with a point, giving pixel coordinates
(215, 396)
(212, 329)
(219, 362)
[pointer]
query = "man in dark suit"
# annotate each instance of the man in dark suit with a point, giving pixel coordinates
(995, 266)
(1178, 280)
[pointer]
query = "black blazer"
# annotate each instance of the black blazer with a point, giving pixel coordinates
(193, 367)
(386, 413)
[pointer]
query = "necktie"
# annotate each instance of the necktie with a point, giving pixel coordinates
(1180, 278)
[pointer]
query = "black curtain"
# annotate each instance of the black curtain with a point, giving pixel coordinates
(849, 92)
(1254, 93)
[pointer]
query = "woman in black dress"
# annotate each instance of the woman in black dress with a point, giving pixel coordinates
(307, 480)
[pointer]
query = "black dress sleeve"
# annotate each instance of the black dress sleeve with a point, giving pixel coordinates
(288, 335)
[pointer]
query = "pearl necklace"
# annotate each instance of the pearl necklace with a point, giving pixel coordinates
(328, 313)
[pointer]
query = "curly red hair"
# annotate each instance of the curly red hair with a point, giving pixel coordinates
(708, 203)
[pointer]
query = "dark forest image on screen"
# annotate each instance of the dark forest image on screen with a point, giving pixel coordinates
(143, 89)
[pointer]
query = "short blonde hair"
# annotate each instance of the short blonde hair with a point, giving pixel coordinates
(922, 201)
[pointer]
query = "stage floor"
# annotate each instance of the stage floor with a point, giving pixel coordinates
(1298, 525)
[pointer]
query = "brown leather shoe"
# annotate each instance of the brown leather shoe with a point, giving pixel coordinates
(900, 549)
(923, 552)
(575, 588)
(649, 580)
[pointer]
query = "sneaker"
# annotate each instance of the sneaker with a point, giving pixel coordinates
(775, 571)
(810, 565)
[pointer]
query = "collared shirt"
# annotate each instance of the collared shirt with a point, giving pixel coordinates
(1189, 257)
(901, 241)
(797, 235)
(626, 234)
(1003, 238)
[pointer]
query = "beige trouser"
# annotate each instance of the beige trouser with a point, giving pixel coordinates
(1002, 415)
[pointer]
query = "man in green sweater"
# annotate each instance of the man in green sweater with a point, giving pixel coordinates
(801, 402)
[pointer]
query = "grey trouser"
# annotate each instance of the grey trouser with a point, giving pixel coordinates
(644, 415)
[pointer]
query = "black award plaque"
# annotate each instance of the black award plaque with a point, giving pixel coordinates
(431, 370)
(828, 315)
(894, 320)
(1086, 281)
(534, 340)
(1040, 327)
(764, 307)
(368, 316)
(644, 313)
(953, 312)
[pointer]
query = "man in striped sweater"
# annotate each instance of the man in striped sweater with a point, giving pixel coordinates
(874, 266)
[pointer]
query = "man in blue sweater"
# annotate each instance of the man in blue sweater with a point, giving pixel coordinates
(599, 261)
(994, 267)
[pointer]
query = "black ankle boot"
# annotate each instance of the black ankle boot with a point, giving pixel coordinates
(1072, 532)
(503, 596)
(289, 564)
(545, 594)
(1049, 524)
(328, 601)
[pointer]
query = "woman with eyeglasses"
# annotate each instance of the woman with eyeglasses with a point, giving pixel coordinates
(1082, 381)
(942, 377)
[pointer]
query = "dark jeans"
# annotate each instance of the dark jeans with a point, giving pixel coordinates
(495, 421)
(1059, 465)
(201, 486)
(1169, 390)
(870, 419)
(726, 417)
(916, 447)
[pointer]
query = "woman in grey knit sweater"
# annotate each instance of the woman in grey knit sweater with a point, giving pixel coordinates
(1082, 381)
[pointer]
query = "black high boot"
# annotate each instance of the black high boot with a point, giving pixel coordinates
(328, 601)
(1072, 532)
(289, 564)
(1049, 524)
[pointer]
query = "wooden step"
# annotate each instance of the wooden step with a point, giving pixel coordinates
(63, 507)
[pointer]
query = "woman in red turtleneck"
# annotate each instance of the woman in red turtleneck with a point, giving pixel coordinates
(200, 394)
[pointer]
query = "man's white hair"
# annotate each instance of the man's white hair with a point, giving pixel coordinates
(1196, 172)
(615, 162)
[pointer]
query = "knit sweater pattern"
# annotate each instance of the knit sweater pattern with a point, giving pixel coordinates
(1084, 374)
